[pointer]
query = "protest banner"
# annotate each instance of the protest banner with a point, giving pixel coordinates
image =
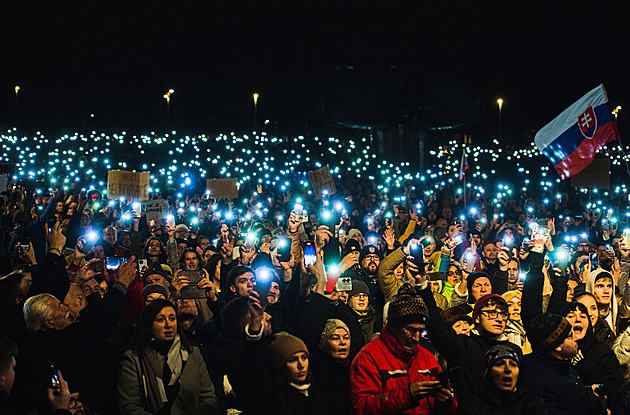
(595, 176)
(155, 209)
(321, 180)
(222, 188)
(130, 184)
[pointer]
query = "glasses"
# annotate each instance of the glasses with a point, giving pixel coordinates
(493, 314)
(452, 273)
(413, 330)
(360, 296)
(370, 257)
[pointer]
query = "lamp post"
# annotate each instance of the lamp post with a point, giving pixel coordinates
(255, 110)
(500, 102)
(17, 90)
(167, 96)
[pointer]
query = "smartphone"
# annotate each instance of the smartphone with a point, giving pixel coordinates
(98, 267)
(525, 244)
(264, 276)
(143, 265)
(89, 240)
(113, 262)
(310, 253)
(626, 238)
(170, 221)
(435, 276)
(416, 255)
(444, 376)
(137, 209)
(469, 262)
(344, 284)
(594, 262)
(191, 290)
(51, 222)
(25, 243)
(284, 249)
(55, 384)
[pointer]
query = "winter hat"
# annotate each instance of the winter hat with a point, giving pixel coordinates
(498, 352)
(351, 246)
(153, 271)
(547, 331)
(358, 287)
(509, 295)
(482, 301)
(332, 324)
(154, 288)
(454, 314)
(471, 280)
(283, 346)
(181, 227)
(439, 233)
(369, 250)
(406, 307)
(353, 232)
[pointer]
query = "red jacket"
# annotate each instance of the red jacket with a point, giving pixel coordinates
(380, 376)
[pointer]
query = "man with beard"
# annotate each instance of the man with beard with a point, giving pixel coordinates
(489, 262)
(275, 307)
(369, 260)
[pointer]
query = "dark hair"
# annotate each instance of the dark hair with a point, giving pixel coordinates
(577, 296)
(162, 254)
(501, 305)
(143, 336)
(236, 272)
(10, 288)
(182, 262)
(8, 351)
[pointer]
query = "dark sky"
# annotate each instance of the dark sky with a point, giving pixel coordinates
(116, 59)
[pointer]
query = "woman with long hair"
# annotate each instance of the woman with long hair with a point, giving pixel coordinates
(162, 373)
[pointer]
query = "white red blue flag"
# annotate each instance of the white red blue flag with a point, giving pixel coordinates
(464, 165)
(572, 138)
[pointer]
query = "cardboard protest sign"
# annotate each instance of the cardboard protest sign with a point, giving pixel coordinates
(595, 176)
(321, 179)
(155, 209)
(222, 188)
(130, 184)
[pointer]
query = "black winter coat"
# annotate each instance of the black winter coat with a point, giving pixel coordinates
(489, 402)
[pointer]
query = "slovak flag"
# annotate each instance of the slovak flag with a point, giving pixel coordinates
(572, 138)
(464, 165)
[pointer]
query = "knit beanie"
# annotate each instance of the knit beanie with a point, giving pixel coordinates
(498, 352)
(369, 250)
(509, 295)
(283, 346)
(332, 324)
(406, 307)
(482, 301)
(471, 280)
(547, 331)
(154, 288)
(156, 272)
(358, 287)
(351, 246)
(454, 314)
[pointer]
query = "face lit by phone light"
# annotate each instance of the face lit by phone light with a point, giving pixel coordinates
(603, 291)
(60, 315)
(274, 293)
(579, 320)
(243, 284)
(164, 326)
(408, 336)
(514, 308)
(461, 327)
(191, 261)
(503, 375)
(513, 271)
(453, 275)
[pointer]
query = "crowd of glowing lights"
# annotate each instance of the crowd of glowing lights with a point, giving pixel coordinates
(281, 163)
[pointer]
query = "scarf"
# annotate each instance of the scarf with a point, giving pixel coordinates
(153, 370)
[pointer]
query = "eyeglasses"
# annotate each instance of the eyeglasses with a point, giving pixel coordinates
(493, 314)
(360, 296)
(413, 330)
(452, 273)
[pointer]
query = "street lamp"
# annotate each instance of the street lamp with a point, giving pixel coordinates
(255, 110)
(17, 89)
(167, 96)
(616, 111)
(500, 102)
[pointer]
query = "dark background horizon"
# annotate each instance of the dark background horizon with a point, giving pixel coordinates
(117, 59)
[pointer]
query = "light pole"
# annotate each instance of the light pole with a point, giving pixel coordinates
(616, 111)
(500, 102)
(167, 96)
(17, 89)
(255, 110)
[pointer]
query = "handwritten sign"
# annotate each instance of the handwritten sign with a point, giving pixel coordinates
(155, 209)
(222, 188)
(321, 180)
(130, 184)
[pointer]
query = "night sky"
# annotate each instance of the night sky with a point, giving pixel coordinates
(117, 59)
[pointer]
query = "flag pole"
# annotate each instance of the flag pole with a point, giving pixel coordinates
(464, 171)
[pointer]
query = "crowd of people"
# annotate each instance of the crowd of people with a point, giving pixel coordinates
(429, 302)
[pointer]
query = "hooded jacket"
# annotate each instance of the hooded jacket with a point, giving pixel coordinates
(618, 308)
